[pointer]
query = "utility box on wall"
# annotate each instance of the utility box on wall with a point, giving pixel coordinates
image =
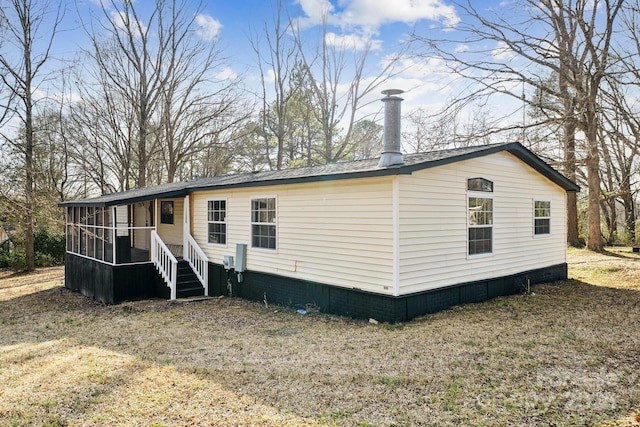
(227, 262)
(241, 258)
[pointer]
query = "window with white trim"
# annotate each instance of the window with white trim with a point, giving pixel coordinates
(217, 221)
(480, 216)
(541, 217)
(263, 223)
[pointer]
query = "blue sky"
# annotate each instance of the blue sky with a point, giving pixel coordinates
(385, 24)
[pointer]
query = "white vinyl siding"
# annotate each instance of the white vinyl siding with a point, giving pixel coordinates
(141, 238)
(171, 234)
(434, 216)
(335, 232)
(341, 232)
(122, 219)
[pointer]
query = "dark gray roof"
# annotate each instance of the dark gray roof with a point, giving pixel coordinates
(340, 170)
(173, 189)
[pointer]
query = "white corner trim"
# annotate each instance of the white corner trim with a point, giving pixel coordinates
(396, 235)
(186, 220)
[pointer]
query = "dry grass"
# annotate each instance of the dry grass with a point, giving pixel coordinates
(568, 355)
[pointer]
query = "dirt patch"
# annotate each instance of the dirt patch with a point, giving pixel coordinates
(567, 355)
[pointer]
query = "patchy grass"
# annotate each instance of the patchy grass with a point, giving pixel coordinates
(13, 285)
(567, 355)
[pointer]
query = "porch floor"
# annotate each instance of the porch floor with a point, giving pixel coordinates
(140, 255)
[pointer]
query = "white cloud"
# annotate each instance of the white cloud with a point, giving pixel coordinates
(423, 68)
(315, 11)
(418, 93)
(502, 52)
(461, 48)
(371, 14)
(353, 41)
(208, 27)
(102, 3)
(226, 74)
(270, 77)
(126, 23)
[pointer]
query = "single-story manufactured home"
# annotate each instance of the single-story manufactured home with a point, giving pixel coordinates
(390, 238)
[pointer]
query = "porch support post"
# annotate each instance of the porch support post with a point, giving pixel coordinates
(186, 228)
(114, 233)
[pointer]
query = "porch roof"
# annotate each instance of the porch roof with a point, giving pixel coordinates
(334, 171)
(173, 189)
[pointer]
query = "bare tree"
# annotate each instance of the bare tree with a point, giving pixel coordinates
(276, 55)
(336, 74)
(621, 152)
(435, 131)
(220, 141)
(155, 73)
(622, 116)
(194, 105)
(569, 38)
(104, 131)
(25, 49)
(130, 55)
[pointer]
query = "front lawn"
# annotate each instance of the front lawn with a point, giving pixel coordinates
(569, 354)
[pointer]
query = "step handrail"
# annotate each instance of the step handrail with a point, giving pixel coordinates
(165, 262)
(197, 259)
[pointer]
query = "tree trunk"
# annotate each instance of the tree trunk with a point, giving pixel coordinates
(594, 232)
(28, 160)
(629, 211)
(573, 238)
(573, 235)
(608, 212)
(142, 150)
(28, 191)
(569, 128)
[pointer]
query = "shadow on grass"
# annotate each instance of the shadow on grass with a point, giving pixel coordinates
(620, 254)
(65, 359)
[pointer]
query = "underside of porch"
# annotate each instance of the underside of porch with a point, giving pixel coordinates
(113, 284)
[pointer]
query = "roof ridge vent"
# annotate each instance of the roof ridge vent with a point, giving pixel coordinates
(392, 151)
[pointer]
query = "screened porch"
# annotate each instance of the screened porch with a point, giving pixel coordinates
(112, 235)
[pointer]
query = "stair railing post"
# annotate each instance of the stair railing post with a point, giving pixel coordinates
(165, 263)
(174, 280)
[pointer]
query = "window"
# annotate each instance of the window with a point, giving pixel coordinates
(217, 219)
(541, 217)
(263, 223)
(166, 212)
(479, 184)
(480, 217)
(480, 225)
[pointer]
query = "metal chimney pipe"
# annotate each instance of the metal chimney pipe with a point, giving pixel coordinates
(392, 152)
